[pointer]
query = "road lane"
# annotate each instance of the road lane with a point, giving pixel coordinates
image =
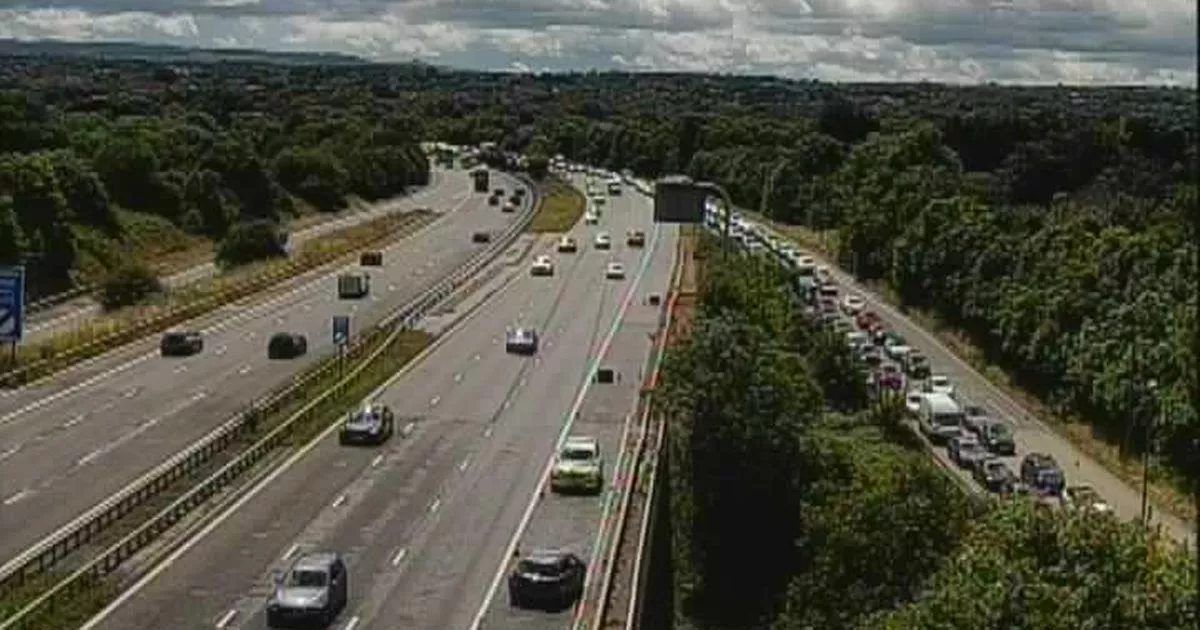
(124, 424)
(432, 528)
(74, 313)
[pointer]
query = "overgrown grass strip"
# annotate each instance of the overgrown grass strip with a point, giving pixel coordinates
(559, 209)
(90, 593)
(61, 351)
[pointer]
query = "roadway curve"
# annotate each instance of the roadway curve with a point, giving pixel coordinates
(67, 445)
(425, 521)
(73, 313)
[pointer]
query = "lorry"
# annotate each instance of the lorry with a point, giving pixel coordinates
(354, 285)
(482, 180)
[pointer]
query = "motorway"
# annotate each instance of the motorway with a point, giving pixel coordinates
(426, 521)
(73, 313)
(1031, 434)
(68, 444)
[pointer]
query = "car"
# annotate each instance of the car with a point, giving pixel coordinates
(891, 377)
(916, 365)
(181, 343)
(852, 304)
(314, 589)
(965, 450)
(371, 259)
(509, 208)
(520, 192)
(546, 578)
(974, 419)
(995, 476)
(499, 192)
(635, 238)
(542, 266)
(353, 286)
(603, 241)
(998, 438)
(591, 218)
(912, 401)
(856, 339)
(286, 345)
(615, 271)
(515, 199)
(866, 319)
(1084, 497)
(493, 201)
(481, 237)
(373, 424)
(897, 350)
(870, 355)
(567, 245)
(578, 467)
(1042, 473)
(939, 384)
(521, 341)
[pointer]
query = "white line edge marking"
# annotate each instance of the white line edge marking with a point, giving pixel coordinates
(350, 625)
(399, 557)
(226, 618)
(437, 503)
(291, 551)
(218, 520)
(378, 459)
(339, 500)
(562, 436)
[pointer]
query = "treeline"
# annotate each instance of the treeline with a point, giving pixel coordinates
(796, 504)
(1056, 226)
(98, 163)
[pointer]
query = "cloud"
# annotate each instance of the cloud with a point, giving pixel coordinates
(1027, 41)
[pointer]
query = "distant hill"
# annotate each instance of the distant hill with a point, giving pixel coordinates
(166, 53)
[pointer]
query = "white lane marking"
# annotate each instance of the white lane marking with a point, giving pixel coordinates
(337, 503)
(408, 428)
(465, 462)
(458, 377)
(16, 497)
(433, 402)
(477, 357)
(74, 421)
(375, 462)
(515, 540)
(86, 459)
(12, 450)
(352, 623)
(131, 392)
(437, 503)
(291, 551)
(226, 618)
(245, 369)
(399, 557)
(487, 432)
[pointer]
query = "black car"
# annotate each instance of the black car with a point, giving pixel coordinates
(371, 259)
(515, 199)
(1040, 472)
(997, 437)
(181, 344)
(493, 201)
(373, 424)
(313, 591)
(286, 345)
(499, 192)
(995, 476)
(546, 579)
(481, 237)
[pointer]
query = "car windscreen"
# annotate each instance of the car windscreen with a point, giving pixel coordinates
(1000, 432)
(175, 338)
(577, 454)
(947, 419)
(307, 578)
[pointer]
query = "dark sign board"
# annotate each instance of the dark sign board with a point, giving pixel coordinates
(678, 199)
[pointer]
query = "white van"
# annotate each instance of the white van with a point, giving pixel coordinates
(940, 417)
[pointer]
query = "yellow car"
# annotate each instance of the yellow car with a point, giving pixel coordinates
(578, 467)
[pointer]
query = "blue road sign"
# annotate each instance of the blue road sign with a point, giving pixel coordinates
(12, 303)
(341, 330)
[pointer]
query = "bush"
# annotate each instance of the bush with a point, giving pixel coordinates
(252, 241)
(127, 285)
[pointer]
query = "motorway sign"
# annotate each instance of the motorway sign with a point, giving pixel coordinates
(12, 303)
(341, 330)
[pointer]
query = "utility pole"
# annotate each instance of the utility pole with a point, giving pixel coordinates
(1148, 424)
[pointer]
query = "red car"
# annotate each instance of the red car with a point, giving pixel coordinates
(891, 378)
(866, 319)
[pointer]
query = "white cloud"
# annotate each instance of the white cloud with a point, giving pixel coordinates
(1029, 41)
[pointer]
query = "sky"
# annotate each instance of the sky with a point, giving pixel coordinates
(957, 41)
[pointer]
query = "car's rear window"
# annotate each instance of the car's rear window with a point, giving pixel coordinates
(307, 578)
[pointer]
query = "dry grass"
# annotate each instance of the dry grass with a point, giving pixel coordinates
(559, 209)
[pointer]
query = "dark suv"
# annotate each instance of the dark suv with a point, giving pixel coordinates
(286, 346)
(314, 589)
(181, 344)
(1040, 472)
(546, 579)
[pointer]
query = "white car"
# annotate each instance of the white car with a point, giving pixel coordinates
(940, 384)
(897, 351)
(591, 218)
(853, 304)
(603, 241)
(542, 266)
(567, 245)
(578, 467)
(1084, 497)
(615, 271)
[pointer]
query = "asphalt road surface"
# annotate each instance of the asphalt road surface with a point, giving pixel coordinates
(67, 445)
(65, 316)
(1031, 435)
(425, 520)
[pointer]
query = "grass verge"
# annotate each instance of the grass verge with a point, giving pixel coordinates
(112, 330)
(1167, 489)
(559, 208)
(90, 594)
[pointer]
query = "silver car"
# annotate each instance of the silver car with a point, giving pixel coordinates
(314, 589)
